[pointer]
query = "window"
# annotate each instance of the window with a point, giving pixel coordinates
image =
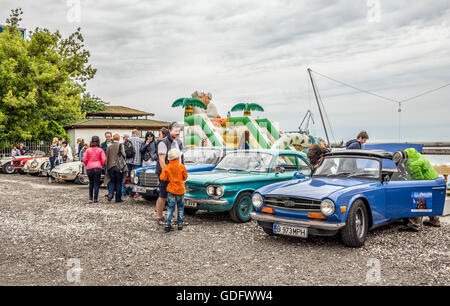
(288, 162)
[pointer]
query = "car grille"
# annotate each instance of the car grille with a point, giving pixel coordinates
(149, 179)
(17, 162)
(292, 203)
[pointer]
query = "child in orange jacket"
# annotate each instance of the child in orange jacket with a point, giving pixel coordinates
(176, 173)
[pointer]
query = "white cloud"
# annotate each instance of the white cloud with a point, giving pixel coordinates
(148, 53)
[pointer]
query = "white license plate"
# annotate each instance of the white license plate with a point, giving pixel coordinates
(290, 230)
(190, 204)
(140, 189)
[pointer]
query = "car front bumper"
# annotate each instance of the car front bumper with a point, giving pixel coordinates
(64, 176)
(208, 201)
(317, 224)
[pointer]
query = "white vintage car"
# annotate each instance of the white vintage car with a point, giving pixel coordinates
(72, 171)
(36, 166)
(5, 165)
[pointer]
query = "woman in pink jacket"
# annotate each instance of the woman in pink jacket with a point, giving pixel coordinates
(94, 158)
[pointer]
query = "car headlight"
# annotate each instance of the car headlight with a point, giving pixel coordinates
(211, 191)
(132, 175)
(135, 180)
(327, 207)
(219, 191)
(257, 200)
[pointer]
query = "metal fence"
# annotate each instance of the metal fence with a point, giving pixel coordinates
(43, 146)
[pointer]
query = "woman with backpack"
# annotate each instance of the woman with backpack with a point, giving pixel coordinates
(116, 167)
(148, 150)
(94, 158)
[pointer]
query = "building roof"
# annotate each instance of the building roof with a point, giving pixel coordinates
(118, 123)
(120, 111)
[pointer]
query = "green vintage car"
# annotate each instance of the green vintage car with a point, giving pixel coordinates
(230, 185)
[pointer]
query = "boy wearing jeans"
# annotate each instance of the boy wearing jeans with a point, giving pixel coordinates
(176, 174)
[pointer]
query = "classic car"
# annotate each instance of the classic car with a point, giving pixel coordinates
(146, 183)
(36, 165)
(230, 185)
(350, 193)
(5, 165)
(72, 171)
(19, 161)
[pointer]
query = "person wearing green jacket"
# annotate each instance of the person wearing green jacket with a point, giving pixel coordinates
(417, 168)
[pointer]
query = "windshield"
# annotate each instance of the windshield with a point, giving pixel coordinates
(246, 161)
(201, 156)
(349, 166)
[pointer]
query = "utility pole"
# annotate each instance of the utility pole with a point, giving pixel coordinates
(318, 105)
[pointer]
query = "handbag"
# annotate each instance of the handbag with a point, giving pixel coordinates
(121, 163)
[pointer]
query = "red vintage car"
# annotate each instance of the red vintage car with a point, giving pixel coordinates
(18, 162)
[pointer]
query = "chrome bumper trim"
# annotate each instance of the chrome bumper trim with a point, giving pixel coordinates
(307, 223)
(208, 201)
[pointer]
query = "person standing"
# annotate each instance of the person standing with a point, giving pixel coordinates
(164, 145)
(66, 152)
(136, 160)
(110, 186)
(78, 147)
(23, 150)
(112, 155)
(358, 142)
(54, 154)
(15, 151)
(176, 174)
(148, 150)
(94, 158)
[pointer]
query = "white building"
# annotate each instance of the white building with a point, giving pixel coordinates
(115, 119)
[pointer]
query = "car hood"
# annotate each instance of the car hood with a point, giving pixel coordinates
(225, 177)
(63, 167)
(189, 168)
(314, 188)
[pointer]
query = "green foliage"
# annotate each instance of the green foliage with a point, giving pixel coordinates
(50, 129)
(42, 80)
(91, 103)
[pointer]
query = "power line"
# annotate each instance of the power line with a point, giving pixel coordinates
(425, 93)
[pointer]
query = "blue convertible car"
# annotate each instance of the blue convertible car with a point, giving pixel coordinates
(197, 159)
(351, 192)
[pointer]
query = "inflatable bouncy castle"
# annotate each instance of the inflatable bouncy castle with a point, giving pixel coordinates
(203, 126)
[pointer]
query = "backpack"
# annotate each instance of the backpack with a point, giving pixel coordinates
(129, 150)
(121, 162)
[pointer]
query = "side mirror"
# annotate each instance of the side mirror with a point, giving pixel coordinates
(298, 175)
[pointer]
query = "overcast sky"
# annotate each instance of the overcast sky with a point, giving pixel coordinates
(149, 53)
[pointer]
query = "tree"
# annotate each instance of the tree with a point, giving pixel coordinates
(188, 104)
(91, 103)
(247, 108)
(42, 80)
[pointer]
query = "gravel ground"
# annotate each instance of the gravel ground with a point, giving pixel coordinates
(43, 226)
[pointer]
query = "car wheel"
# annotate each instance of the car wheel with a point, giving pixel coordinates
(268, 231)
(8, 168)
(355, 230)
(82, 180)
(242, 208)
(190, 211)
(149, 198)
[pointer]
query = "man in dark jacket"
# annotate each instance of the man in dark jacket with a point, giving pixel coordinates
(358, 142)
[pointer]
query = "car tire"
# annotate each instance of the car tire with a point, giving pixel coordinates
(149, 198)
(242, 208)
(82, 180)
(268, 231)
(355, 230)
(8, 168)
(190, 211)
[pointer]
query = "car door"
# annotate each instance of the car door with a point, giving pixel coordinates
(414, 198)
(289, 163)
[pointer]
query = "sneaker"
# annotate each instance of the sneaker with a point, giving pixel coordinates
(184, 223)
(110, 197)
(167, 228)
(90, 201)
(161, 221)
(180, 226)
(95, 201)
